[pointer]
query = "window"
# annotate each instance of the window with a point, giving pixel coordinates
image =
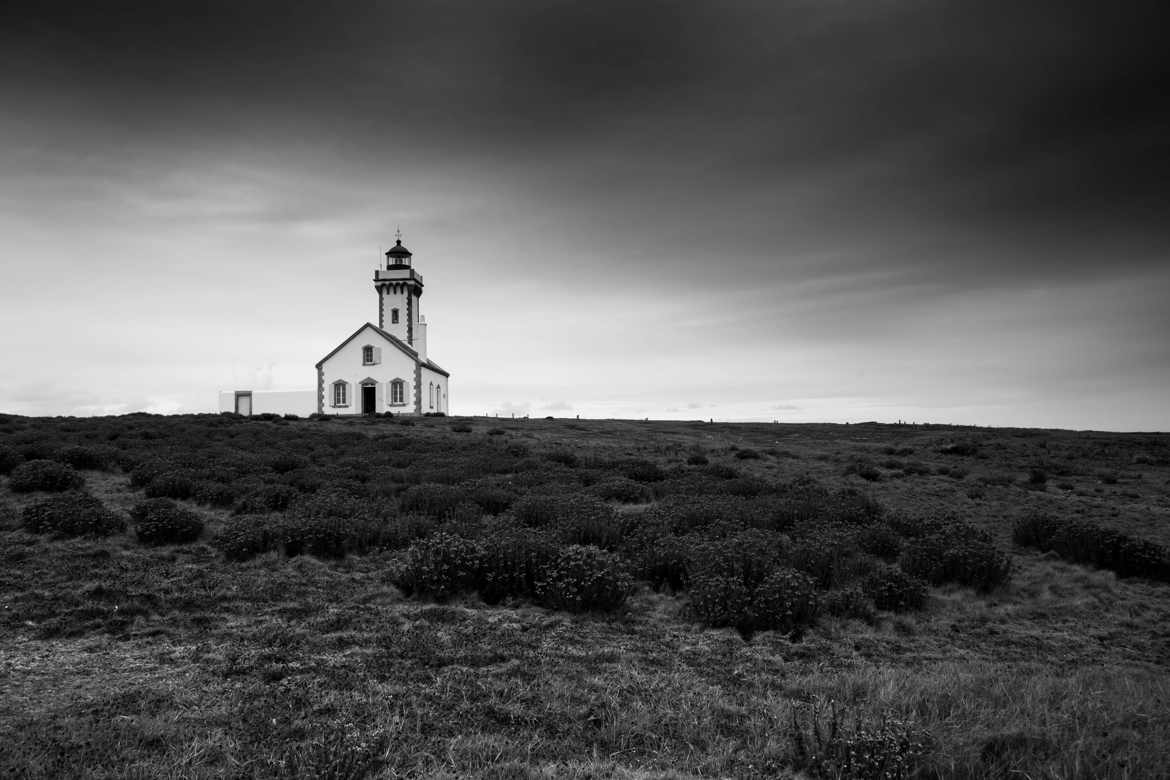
(339, 394)
(397, 392)
(394, 316)
(432, 395)
(367, 355)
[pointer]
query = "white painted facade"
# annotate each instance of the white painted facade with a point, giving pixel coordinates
(380, 368)
(385, 367)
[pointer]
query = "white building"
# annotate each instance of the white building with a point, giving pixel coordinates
(379, 368)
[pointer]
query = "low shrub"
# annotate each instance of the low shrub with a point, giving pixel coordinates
(512, 563)
(9, 459)
(162, 521)
(894, 590)
(747, 454)
(324, 536)
(440, 566)
(172, 484)
(958, 553)
(880, 540)
(492, 499)
(584, 578)
(246, 537)
(563, 457)
(84, 458)
(461, 428)
(864, 469)
(622, 490)
(71, 514)
(286, 462)
(45, 475)
(697, 459)
(831, 745)
(658, 556)
(1082, 541)
(433, 499)
(785, 599)
(849, 602)
(642, 471)
(214, 494)
(269, 498)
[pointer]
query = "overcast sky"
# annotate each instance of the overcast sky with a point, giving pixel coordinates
(816, 210)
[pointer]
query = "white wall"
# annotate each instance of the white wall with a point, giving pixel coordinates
(299, 402)
(347, 366)
(440, 383)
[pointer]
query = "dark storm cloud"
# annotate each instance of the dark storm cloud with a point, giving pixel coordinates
(797, 127)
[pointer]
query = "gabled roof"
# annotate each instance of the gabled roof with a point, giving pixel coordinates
(395, 341)
(433, 366)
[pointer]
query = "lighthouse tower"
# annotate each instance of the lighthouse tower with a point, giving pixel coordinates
(399, 288)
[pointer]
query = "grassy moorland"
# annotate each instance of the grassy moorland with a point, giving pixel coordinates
(212, 596)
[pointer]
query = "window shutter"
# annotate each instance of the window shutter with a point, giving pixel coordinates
(349, 398)
(377, 354)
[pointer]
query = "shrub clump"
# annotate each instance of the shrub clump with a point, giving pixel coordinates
(623, 490)
(83, 458)
(832, 745)
(71, 514)
(245, 537)
(162, 521)
(892, 589)
(512, 563)
(584, 578)
(785, 599)
(440, 566)
(269, 498)
(46, 475)
(1082, 541)
(959, 553)
(433, 499)
(9, 459)
(172, 484)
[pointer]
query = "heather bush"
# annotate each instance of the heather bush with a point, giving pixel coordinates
(642, 471)
(244, 537)
(71, 513)
(162, 521)
(747, 554)
(512, 562)
(286, 462)
(849, 602)
(826, 551)
(440, 566)
(177, 483)
(324, 536)
(785, 600)
(144, 472)
(1083, 541)
(958, 553)
(584, 578)
(719, 600)
(697, 459)
(262, 500)
(657, 556)
(831, 745)
(9, 459)
(880, 540)
(433, 499)
(491, 499)
(747, 454)
(892, 589)
(84, 458)
(45, 475)
(563, 457)
(214, 494)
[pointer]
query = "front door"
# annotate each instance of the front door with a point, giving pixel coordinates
(244, 404)
(368, 399)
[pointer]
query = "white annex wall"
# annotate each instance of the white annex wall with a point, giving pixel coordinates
(346, 366)
(299, 402)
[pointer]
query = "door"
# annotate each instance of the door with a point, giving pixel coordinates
(368, 399)
(244, 404)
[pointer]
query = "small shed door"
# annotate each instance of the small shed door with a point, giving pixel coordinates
(244, 404)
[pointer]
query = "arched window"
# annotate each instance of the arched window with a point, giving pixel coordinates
(432, 395)
(397, 392)
(394, 316)
(367, 355)
(339, 398)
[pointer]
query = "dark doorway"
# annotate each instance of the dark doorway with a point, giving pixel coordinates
(368, 399)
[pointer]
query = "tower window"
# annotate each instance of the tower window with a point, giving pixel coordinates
(339, 397)
(397, 392)
(394, 316)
